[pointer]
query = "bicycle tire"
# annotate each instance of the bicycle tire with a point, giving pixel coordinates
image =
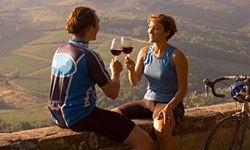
(226, 134)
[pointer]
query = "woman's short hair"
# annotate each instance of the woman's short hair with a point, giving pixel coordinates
(167, 21)
(79, 19)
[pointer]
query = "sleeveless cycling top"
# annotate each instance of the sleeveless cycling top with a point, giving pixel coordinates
(161, 76)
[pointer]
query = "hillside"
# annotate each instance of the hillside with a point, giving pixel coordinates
(214, 34)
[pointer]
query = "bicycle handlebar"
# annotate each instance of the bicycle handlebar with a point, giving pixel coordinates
(236, 78)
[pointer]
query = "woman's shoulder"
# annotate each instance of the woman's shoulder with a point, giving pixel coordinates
(177, 52)
(144, 51)
(178, 55)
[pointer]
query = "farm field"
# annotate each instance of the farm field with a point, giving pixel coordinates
(214, 35)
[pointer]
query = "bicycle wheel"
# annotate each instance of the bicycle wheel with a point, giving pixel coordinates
(227, 135)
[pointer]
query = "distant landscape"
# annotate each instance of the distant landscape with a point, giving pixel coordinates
(214, 35)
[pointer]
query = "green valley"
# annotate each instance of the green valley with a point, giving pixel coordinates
(214, 35)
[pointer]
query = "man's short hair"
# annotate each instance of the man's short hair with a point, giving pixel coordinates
(79, 19)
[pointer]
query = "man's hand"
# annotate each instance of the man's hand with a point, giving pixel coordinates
(116, 67)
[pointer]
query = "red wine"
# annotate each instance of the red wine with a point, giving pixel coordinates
(116, 52)
(127, 50)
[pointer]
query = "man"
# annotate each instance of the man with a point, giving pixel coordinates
(76, 69)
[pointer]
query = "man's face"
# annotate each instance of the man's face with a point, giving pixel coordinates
(93, 30)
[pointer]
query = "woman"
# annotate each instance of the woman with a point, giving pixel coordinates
(166, 70)
(76, 69)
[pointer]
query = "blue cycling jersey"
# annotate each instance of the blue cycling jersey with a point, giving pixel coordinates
(75, 71)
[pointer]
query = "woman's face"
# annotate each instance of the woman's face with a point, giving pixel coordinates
(156, 31)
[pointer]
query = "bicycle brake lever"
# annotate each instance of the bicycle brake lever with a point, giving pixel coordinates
(206, 82)
(206, 91)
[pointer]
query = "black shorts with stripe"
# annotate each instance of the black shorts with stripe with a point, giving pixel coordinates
(108, 123)
(143, 109)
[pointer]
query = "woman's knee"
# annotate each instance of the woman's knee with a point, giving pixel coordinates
(162, 129)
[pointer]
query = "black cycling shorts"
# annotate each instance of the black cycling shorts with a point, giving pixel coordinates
(108, 123)
(148, 109)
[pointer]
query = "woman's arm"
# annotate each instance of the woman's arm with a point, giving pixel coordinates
(135, 71)
(181, 67)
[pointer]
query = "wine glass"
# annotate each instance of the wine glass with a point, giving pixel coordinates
(126, 45)
(115, 48)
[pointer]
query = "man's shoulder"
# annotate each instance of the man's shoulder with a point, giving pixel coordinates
(91, 53)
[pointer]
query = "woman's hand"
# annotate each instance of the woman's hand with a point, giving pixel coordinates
(168, 116)
(129, 64)
(164, 122)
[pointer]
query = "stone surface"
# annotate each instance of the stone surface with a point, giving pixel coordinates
(191, 133)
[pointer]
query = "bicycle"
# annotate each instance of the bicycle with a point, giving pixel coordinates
(230, 132)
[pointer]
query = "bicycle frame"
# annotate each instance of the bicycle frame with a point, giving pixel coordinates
(245, 106)
(238, 120)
